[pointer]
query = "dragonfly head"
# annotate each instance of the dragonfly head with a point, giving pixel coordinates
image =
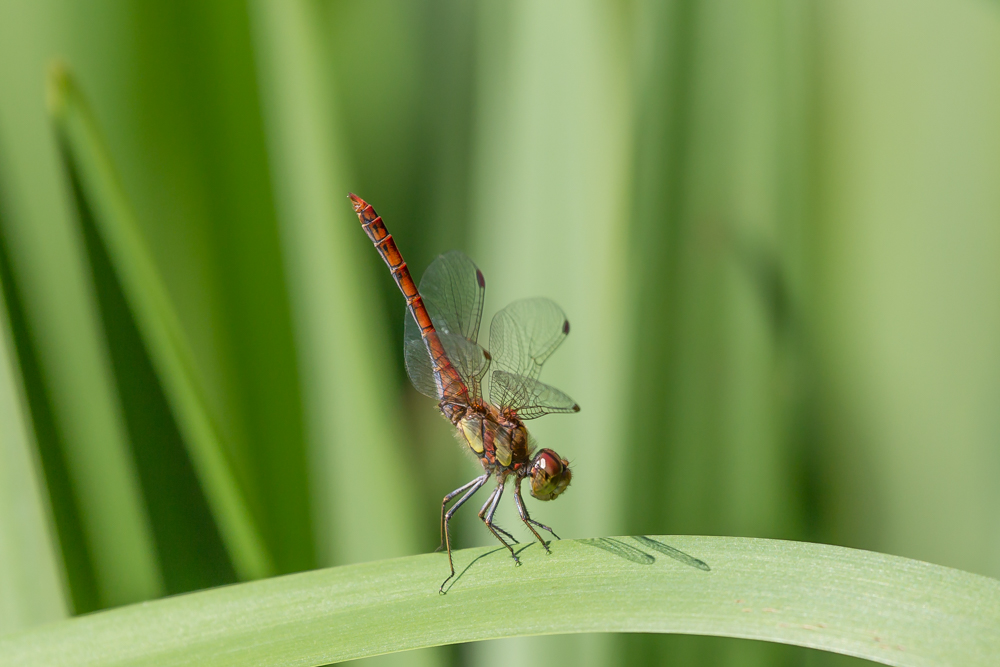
(550, 475)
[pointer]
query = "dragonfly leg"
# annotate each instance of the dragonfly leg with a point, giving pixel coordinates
(528, 521)
(472, 487)
(447, 499)
(485, 508)
(505, 533)
(486, 514)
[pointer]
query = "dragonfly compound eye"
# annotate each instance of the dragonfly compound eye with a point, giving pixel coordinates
(550, 475)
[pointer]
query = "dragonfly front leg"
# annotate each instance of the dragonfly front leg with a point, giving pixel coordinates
(472, 487)
(528, 521)
(486, 514)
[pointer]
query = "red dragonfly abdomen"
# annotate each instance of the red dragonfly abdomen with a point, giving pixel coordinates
(449, 382)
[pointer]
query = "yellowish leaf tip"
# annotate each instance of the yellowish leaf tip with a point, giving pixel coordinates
(57, 87)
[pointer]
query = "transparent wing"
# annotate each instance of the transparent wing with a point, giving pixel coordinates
(452, 289)
(529, 397)
(522, 337)
(461, 353)
(468, 357)
(418, 362)
(526, 333)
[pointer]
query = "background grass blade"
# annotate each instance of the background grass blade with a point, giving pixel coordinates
(185, 133)
(884, 608)
(154, 315)
(551, 203)
(107, 547)
(906, 286)
(363, 499)
(714, 229)
(348, 396)
(31, 576)
(191, 551)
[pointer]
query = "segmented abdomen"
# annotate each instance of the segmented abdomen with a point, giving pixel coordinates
(449, 383)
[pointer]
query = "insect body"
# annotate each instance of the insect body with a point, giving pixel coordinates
(445, 361)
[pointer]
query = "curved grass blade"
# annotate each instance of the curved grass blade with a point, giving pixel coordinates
(158, 324)
(31, 575)
(884, 608)
(95, 498)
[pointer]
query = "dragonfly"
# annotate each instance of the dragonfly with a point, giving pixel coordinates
(445, 361)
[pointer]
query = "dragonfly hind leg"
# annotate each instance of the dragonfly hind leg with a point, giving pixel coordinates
(469, 490)
(528, 521)
(444, 504)
(486, 514)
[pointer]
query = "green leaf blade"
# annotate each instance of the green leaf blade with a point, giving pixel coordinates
(158, 324)
(353, 431)
(884, 608)
(32, 578)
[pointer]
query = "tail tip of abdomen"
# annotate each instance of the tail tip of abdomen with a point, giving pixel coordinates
(359, 203)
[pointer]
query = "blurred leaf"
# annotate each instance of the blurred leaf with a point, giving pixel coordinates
(31, 574)
(107, 547)
(180, 111)
(191, 552)
(255, 294)
(883, 608)
(157, 322)
(81, 578)
(906, 298)
(550, 186)
(179, 108)
(362, 496)
(409, 134)
(714, 404)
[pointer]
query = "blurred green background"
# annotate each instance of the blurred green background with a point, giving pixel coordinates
(774, 225)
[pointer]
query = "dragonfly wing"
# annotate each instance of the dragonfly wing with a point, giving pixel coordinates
(468, 358)
(452, 289)
(525, 334)
(522, 337)
(418, 361)
(529, 397)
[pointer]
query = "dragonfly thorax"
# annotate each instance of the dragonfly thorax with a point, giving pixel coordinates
(500, 443)
(453, 412)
